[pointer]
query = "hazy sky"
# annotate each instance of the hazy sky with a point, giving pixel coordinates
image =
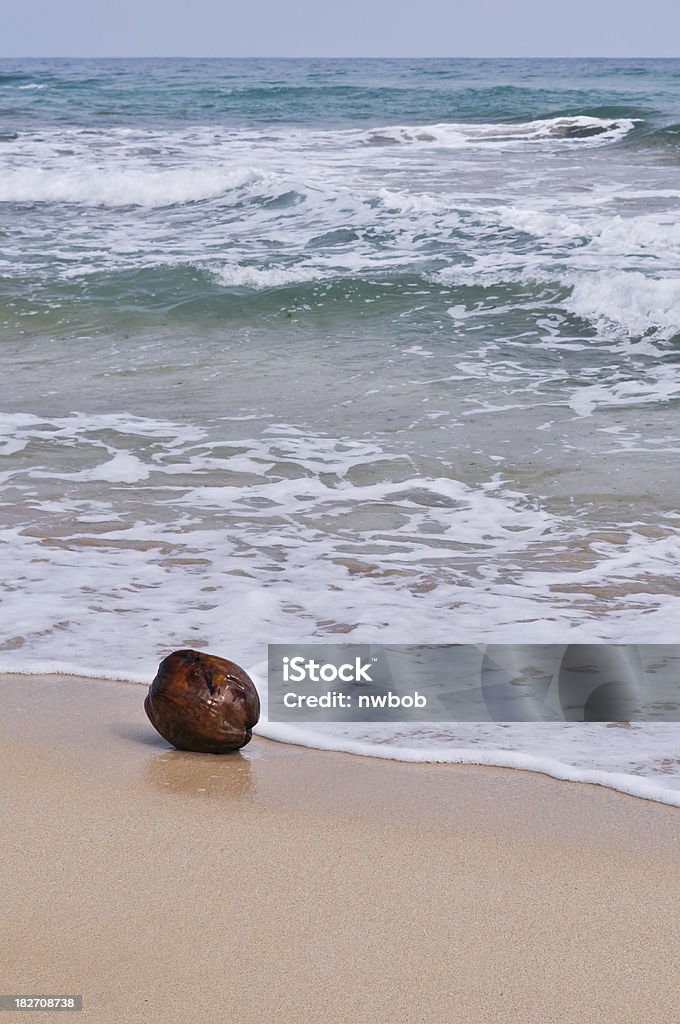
(301, 28)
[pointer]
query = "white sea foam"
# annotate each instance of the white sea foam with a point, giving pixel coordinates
(661, 386)
(645, 235)
(122, 468)
(266, 277)
(629, 301)
(542, 224)
(99, 186)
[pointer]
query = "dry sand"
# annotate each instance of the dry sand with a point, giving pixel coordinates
(289, 885)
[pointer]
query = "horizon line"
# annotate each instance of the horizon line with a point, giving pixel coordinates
(178, 56)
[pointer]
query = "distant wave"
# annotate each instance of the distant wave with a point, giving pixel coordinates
(10, 79)
(579, 128)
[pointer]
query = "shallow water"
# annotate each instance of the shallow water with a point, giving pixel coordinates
(375, 350)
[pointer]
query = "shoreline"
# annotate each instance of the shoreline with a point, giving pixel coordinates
(281, 883)
(640, 787)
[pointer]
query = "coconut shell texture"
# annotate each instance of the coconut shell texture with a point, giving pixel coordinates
(201, 702)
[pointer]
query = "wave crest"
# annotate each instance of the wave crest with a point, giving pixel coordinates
(580, 128)
(146, 187)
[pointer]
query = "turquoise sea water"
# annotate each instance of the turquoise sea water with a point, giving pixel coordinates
(376, 350)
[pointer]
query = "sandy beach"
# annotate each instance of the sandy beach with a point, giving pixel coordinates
(289, 885)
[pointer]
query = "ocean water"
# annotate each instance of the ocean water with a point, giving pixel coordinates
(377, 351)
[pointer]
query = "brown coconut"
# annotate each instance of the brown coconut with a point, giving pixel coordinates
(201, 702)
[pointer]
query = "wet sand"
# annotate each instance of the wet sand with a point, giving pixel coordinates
(289, 885)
